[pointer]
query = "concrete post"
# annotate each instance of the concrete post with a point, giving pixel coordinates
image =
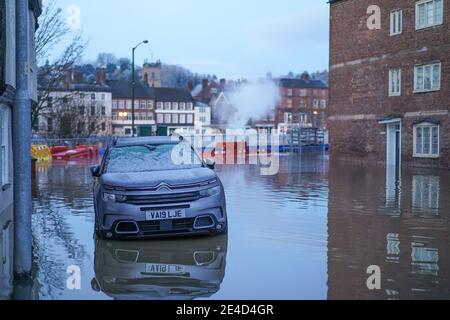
(22, 146)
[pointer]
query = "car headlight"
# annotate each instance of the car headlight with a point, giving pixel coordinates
(214, 191)
(114, 197)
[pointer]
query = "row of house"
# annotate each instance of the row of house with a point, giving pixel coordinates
(105, 107)
(303, 103)
(390, 84)
(8, 81)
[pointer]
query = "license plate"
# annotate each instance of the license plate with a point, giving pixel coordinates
(154, 268)
(168, 214)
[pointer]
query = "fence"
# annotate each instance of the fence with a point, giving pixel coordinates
(296, 140)
(73, 142)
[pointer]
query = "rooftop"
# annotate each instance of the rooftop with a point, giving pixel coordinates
(173, 95)
(123, 89)
(302, 84)
(81, 87)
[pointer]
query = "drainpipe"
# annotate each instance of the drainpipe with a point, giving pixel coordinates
(22, 147)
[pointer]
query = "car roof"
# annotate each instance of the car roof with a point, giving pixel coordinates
(139, 141)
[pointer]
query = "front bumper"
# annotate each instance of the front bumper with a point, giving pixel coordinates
(128, 221)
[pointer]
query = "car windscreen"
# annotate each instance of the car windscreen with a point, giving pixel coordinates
(158, 157)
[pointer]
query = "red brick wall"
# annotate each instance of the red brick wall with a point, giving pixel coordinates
(360, 60)
(311, 94)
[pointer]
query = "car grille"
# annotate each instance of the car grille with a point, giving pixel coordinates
(164, 198)
(177, 225)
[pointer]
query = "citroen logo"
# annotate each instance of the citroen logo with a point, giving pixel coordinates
(163, 188)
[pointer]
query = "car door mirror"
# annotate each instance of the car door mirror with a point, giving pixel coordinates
(210, 163)
(95, 170)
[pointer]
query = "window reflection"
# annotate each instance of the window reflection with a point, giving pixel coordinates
(393, 247)
(425, 194)
(424, 260)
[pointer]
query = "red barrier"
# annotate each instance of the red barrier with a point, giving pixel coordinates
(79, 152)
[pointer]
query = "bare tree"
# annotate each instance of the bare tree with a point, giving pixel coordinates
(72, 118)
(51, 75)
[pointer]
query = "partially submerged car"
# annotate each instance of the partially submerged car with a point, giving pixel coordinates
(157, 187)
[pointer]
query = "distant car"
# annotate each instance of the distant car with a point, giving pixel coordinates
(157, 187)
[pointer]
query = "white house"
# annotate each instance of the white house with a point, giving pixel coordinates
(88, 105)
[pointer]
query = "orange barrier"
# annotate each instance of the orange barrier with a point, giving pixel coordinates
(41, 153)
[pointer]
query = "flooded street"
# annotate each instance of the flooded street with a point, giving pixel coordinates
(309, 232)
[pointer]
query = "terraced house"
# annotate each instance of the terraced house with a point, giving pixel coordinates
(7, 92)
(390, 81)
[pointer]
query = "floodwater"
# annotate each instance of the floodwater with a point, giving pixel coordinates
(309, 232)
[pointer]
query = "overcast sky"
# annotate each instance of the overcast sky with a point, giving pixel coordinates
(229, 38)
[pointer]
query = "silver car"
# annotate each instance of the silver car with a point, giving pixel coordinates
(157, 187)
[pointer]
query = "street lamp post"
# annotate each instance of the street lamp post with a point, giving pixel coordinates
(133, 85)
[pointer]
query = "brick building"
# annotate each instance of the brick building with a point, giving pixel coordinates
(144, 108)
(174, 110)
(390, 86)
(303, 103)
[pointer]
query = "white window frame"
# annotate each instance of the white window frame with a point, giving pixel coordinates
(303, 117)
(396, 22)
(429, 199)
(316, 104)
(392, 73)
(160, 118)
(289, 103)
(288, 116)
(427, 24)
(4, 147)
(423, 66)
(190, 119)
(420, 154)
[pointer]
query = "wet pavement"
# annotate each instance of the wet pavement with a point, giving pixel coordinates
(310, 232)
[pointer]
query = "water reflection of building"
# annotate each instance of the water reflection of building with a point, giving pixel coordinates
(187, 269)
(404, 230)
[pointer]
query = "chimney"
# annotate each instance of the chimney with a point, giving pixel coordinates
(305, 76)
(77, 76)
(205, 83)
(100, 76)
(223, 83)
(190, 85)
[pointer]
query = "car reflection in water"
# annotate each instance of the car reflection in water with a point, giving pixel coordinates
(167, 270)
